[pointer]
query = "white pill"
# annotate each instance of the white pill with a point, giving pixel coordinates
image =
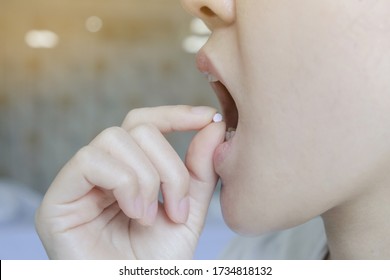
(217, 118)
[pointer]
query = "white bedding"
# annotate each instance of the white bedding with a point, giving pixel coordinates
(18, 239)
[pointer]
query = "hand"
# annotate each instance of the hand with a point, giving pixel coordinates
(104, 203)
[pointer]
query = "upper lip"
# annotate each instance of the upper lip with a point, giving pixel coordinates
(205, 65)
(202, 61)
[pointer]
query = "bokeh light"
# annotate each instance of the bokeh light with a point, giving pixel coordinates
(41, 39)
(94, 24)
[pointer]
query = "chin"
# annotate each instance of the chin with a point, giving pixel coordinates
(246, 215)
(239, 215)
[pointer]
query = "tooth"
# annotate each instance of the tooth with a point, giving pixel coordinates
(230, 134)
(212, 79)
(227, 136)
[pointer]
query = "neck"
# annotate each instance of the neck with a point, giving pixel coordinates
(360, 228)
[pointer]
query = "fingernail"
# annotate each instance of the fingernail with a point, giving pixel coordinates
(138, 207)
(151, 212)
(201, 110)
(184, 209)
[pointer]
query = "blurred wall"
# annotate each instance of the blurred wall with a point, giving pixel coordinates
(54, 101)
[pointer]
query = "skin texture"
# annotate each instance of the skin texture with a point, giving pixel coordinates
(310, 81)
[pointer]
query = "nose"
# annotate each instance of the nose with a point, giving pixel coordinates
(215, 13)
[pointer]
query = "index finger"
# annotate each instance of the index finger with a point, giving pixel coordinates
(170, 118)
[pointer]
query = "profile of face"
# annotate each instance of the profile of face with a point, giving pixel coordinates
(306, 86)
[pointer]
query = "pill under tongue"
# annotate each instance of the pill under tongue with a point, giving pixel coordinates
(228, 105)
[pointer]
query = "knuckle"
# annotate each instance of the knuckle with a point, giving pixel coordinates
(130, 116)
(127, 180)
(145, 129)
(114, 130)
(133, 117)
(110, 134)
(83, 155)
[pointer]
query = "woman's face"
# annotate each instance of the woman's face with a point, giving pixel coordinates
(311, 83)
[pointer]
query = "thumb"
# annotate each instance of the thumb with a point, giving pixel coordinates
(199, 161)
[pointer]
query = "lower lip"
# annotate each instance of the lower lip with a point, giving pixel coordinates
(221, 153)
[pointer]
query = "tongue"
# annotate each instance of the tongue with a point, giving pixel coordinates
(228, 105)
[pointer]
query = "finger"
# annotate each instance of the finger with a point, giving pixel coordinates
(199, 161)
(91, 168)
(170, 118)
(120, 145)
(173, 174)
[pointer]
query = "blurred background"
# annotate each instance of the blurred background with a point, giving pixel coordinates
(68, 70)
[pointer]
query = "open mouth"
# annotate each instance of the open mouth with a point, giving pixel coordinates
(228, 106)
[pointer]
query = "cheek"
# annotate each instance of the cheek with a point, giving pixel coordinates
(316, 88)
(296, 164)
(264, 190)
